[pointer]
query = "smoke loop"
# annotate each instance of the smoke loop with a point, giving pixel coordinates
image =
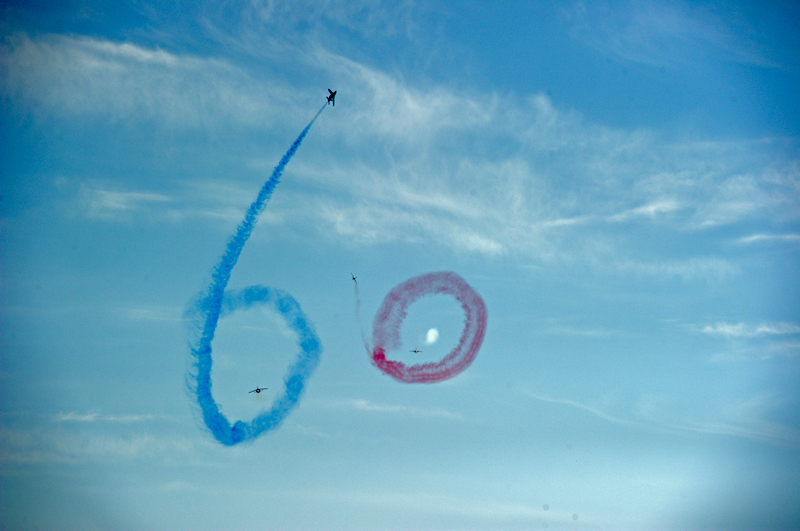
(393, 310)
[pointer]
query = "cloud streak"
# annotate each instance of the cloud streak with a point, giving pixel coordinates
(758, 238)
(736, 330)
(19, 446)
(572, 403)
(97, 417)
(372, 407)
(116, 205)
(670, 34)
(84, 76)
(744, 421)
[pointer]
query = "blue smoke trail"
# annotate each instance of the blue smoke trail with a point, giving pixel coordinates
(209, 306)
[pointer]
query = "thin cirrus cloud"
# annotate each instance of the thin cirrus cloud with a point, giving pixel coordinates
(116, 205)
(76, 439)
(690, 269)
(372, 407)
(125, 82)
(97, 417)
(108, 201)
(669, 34)
(745, 419)
(756, 238)
(736, 330)
(575, 404)
(153, 313)
(651, 210)
(547, 193)
(35, 446)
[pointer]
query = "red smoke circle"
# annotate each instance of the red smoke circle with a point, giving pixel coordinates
(392, 312)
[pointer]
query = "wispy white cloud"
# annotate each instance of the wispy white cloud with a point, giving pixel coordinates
(735, 197)
(756, 238)
(224, 201)
(372, 407)
(746, 418)
(743, 419)
(586, 332)
(758, 430)
(111, 205)
(488, 174)
(736, 330)
(746, 341)
(153, 313)
(97, 417)
(383, 107)
(572, 403)
(271, 27)
(669, 34)
(86, 444)
(77, 75)
(691, 269)
(650, 210)
(367, 223)
(789, 349)
(97, 447)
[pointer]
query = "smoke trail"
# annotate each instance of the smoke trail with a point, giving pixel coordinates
(358, 317)
(392, 312)
(205, 312)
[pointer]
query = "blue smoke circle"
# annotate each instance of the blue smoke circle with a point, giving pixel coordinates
(296, 375)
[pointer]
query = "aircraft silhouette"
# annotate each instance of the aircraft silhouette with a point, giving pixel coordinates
(258, 390)
(331, 97)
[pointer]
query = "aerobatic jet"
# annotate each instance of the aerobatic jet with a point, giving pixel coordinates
(354, 277)
(331, 97)
(415, 351)
(258, 390)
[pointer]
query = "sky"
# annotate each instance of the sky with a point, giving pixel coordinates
(619, 182)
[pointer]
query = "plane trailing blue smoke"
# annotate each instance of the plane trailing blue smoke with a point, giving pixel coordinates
(205, 312)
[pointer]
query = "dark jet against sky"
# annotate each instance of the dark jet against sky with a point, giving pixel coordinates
(331, 97)
(258, 390)
(354, 277)
(415, 351)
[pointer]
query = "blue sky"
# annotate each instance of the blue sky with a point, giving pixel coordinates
(620, 183)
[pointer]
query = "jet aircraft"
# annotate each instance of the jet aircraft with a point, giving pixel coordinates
(331, 97)
(258, 390)
(415, 351)
(354, 277)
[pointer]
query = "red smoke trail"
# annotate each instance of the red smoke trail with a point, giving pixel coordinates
(392, 312)
(358, 317)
